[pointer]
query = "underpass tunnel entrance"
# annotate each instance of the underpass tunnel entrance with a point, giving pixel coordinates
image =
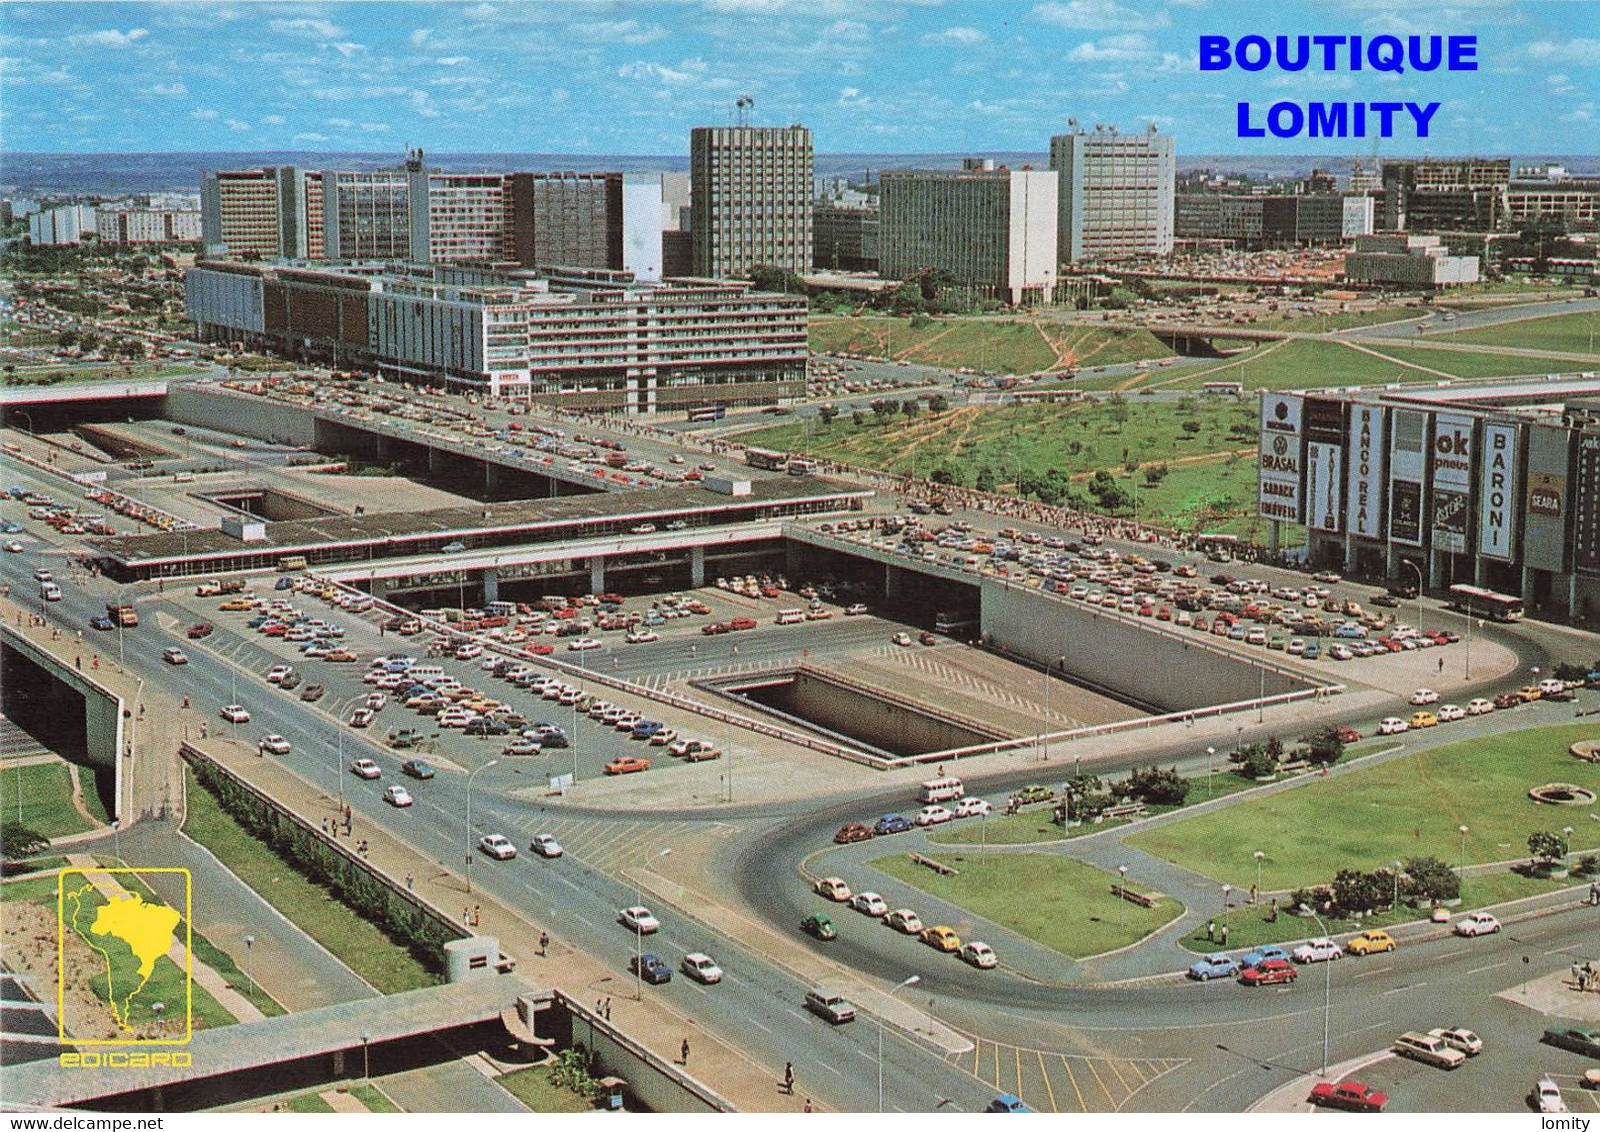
(916, 598)
(55, 715)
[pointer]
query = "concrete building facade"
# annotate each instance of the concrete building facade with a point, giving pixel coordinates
(1396, 259)
(750, 199)
(1115, 194)
(845, 238)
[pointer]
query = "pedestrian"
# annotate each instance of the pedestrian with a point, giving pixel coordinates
(95, 664)
(1441, 664)
(411, 882)
(77, 662)
(347, 814)
(1211, 931)
(600, 1007)
(1224, 935)
(466, 916)
(1272, 913)
(1594, 892)
(477, 911)
(324, 827)
(788, 1077)
(808, 1104)
(608, 1008)
(683, 1052)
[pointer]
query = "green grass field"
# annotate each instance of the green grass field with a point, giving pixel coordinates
(998, 345)
(46, 790)
(1298, 365)
(1061, 903)
(1321, 324)
(1465, 364)
(1408, 806)
(534, 1088)
(359, 944)
(1575, 333)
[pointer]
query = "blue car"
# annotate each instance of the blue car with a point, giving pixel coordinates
(646, 728)
(1350, 631)
(102, 622)
(891, 823)
(1217, 966)
(1312, 652)
(650, 968)
(284, 584)
(1261, 954)
(9, 527)
(1005, 1102)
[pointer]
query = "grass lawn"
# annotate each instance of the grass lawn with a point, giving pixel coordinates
(1248, 927)
(534, 1088)
(1061, 903)
(1320, 324)
(1301, 365)
(46, 799)
(374, 1098)
(1574, 333)
(307, 1102)
(1408, 806)
(34, 865)
(359, 944)
(90, 779)
(996, 345)
(28, 890)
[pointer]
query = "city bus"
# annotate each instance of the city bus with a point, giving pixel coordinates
(766, 459)
(1223, 388)
(1217, 547)
(1475, 601)
(800, 466)
(708, 413)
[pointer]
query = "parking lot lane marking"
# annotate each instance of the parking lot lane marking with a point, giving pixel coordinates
(1372, 971)
(1137, 1069)
(1045, 1073)
(830, 1069)
(1123, 1080)
(1480, 970)
(1095, 1073)
(1018, 1089)
(996, 1079)
(1073, 1078)
(757, 1024)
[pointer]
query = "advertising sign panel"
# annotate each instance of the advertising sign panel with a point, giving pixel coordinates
(1497, 491)
(1323, 463)
(1452, 452)
(1544, 517)
(1324, 421)
(1408, 468)
(1365, 495)
(1585, 498)
(1450, 520)
(1280, 463)
(1405, 512)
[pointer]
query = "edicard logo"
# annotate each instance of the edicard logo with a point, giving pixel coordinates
(124, 964)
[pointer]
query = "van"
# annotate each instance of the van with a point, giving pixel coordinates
(292, 562)
(1428, 1049)
(790, 616)
(943, 790)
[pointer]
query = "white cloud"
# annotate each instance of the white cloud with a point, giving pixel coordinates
(310, 137)
(338, 123)
(348, 49)
(109, 38)
(170, 90)
(420, 36)
(453, 60)
(305, 26)
(1584, 113)
(481, 12)
(629, 32)
(273, 120)
(1113, 49)
(374, 127)
(1095, 15)
(1574, 52)
(954, 37)
(847, 30)
(235, 124)
(205, 115)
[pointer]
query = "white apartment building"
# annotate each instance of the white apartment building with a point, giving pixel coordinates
(1115, 194)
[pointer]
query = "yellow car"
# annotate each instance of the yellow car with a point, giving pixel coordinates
(942, 938)
(1369, 942)
(1528, 693)
(234, 604)
(1424, 719)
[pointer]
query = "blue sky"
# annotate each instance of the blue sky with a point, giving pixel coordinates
(871, 76)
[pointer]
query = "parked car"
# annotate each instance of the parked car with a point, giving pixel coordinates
(819, 926)
(650, 968)
(852, 832)
(1261, 954)
(1458, 1038)
(233, 713)
(1478, 923)
(1370, 942)
(1579, 1039)
(1218, 965)
(1272, 971)
(904, 920)
(546, 846)
(273, 745)
(497, 846)
(1428, 1049)
(311, 693)
(1546, 1096)
(1349, 1095)
(199, 630)
(701, 968)
(627, 764)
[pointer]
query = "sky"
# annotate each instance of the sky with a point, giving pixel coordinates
(867, 76)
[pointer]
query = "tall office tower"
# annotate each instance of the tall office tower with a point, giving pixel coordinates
(1115, 193)
(566, 219)
(751, 199)
(366, 215)
(1464, 193)
(991, 229)
(239, 212)
(455, 217)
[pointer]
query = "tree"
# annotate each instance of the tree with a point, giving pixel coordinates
(1254, 761)
(910, 407)
(1430, 879)
(986, 479)
(1324, 747)
(769, 278)
(942, 474)
(826, 414)
(1357, 891)
(938, 403)
(18, 841)
(858, 418)
(1154, 474)
(1547, 848)
(1155, 786)
(1191, 427)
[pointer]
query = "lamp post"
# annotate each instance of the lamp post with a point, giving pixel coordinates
(1122, 899)
(1211, 754)
(1327, 996)
(638, 932)
(1461, 866)
(1417, 570)
(1397, 868)
(1259, 857)
(1227, 889)
(1566, 831)
(470, 777)
(366, 1064)
(116, 838)
(250, 962)
(910, 981)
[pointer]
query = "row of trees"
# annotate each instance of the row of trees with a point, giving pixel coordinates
(1322, 747)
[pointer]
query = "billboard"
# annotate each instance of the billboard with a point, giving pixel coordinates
(1497, 492)
(1545, 501)
(1323, 464)
(1364, 496)
(1408, 470)
(1450, 520)
(1279, 470)
(1452, 452)
(1585, 497)
(1324, 421)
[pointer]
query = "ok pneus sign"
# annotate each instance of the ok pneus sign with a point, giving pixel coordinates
(1280, 465)
(1452, 481)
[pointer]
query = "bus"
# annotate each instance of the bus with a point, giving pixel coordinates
(954, 624)
(800, 466)
(766, 459)
(1223, 388)
(1217, 547)
(291, 562)
(708, 413)
(1475, 601)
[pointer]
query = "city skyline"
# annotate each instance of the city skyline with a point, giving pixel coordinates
(867, 76)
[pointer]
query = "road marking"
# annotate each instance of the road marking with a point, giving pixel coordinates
(861, 1053)
(1372, 971)
(757, 1025)
(1399, 990)
(1459, 951)
(830, 1069)
(1112, 1065)
(1045, 1073)
(1490, 967)
(582, 919)
(1095, 1073)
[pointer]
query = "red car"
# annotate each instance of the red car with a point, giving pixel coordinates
(1351, 1095)
(540, 649)
(1349, 735)
(855, 831)
(742, 623)
(713, 629)
(199, 630)
(627, 764)
(1272, 971)
(1507, 700)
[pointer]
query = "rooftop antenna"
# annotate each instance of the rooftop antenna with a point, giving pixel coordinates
(742, 106)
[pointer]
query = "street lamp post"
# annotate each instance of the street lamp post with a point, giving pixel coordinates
(910, 981)
(638, 932)
(1461, 867)
(1417, 570)
(366, 1064)
(116, 838)
(1397, 867)
(1327, 996)
(250, 962)
(1122, 898)
(1227, 889)
(470, 777)
(1259, 857)
(1211, 754)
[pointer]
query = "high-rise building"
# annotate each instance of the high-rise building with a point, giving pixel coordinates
(366, 215)
(64, 225)
(993, 230)
(566, 219)
(146, 225)
(845, 238)
(1115, 194)
(1465, 193)
(750, 199)
(239, 212)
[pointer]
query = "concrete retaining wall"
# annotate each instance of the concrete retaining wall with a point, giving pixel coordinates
(1165, 671)
(103, 711)
(248, 416)
(654, 1084)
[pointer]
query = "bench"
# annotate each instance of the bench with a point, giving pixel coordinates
(1126, 810)
(928, 862)
(1295, 764)
(1132, 897)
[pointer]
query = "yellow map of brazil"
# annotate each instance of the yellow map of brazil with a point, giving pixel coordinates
(144, 929)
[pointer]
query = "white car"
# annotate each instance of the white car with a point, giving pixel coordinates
(1479, 923)
(1457, 1038)
(644, 638)
(233, 713)
(14, 547)
(1449, 713)
(855, 610)
(1392, 725)
(1546, 1096)
(638, 919)
(546, 845)
(902, 639)
(1479, 706)
(375, 701)
(1424, 696)
(361, 717)
(870, 904)
(273, 745)
(1552, 687)
(495, 845)
(1317, 951)
(1341, 652)
(904, 920)
(980, 955)
(701, 968)
(365, 768)
(971, 808)
(933, 815)
(174, 656)
(583, 644)
(397, 795)
(278, 672)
